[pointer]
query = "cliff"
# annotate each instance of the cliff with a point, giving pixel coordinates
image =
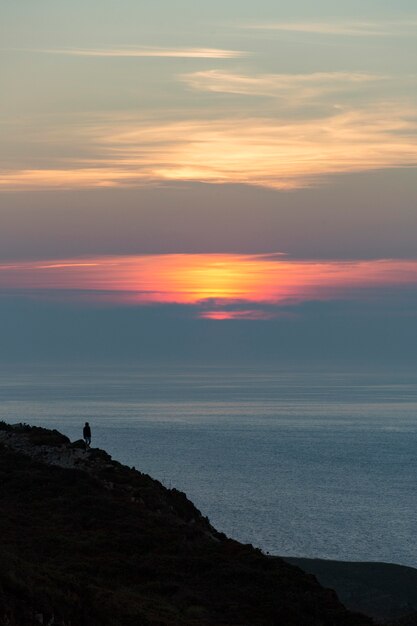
(88, 541)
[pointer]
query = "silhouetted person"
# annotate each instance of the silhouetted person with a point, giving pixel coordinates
(87, 435)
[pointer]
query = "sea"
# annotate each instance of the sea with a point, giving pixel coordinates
(316, 462)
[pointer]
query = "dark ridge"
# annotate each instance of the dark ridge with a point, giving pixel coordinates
(385, 591)
(87, 541)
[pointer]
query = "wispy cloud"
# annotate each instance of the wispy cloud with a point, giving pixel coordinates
(285, 86)
(351, 28)
(276, 153)
(152, 52)
(75, 177)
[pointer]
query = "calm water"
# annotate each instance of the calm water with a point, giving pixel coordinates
(316, 464)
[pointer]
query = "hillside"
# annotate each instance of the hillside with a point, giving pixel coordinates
(385, 591)
(88, 541)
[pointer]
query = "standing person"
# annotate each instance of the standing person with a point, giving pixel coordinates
(87, 435)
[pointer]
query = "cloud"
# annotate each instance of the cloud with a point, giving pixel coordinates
(68, 178)
(276, 153)
(214, 286)
(350, 28)
(245, 314)
(293, 88)
(150, 52)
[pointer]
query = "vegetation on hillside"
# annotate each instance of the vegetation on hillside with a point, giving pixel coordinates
(109, 546)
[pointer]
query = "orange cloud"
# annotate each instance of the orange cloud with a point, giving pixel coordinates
(221, 286)
(276, 153)
(76, 178)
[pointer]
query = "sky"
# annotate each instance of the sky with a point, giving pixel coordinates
(208, 181)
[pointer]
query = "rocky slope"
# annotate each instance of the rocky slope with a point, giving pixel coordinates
(88, 541)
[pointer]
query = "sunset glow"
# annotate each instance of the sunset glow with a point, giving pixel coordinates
(153, 158)
(220, 286)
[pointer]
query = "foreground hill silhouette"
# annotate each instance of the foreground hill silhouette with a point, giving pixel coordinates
(88, 541)
(384, 591)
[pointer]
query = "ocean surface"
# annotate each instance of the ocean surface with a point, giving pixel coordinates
(315, 462)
